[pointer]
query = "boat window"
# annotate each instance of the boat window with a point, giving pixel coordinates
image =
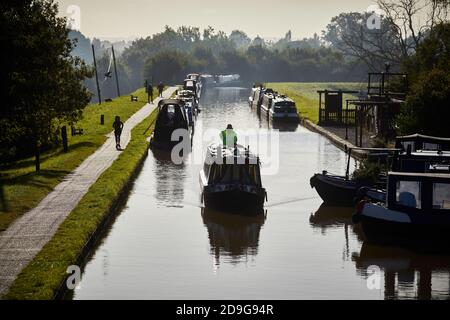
(170, 110)
(408, 194)
(441, 196)
(405, 145)
(430, 146)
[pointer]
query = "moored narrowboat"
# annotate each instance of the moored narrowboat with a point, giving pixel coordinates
(171, 116)
(416, 211)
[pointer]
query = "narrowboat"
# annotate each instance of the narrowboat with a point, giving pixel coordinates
(278, 108)
(416, 211)
(231, 180)
(256, 97)
(171, 116)
(417, 142)
(191, 105)
(192, 85)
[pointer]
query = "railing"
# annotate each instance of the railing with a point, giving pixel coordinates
(337, 118)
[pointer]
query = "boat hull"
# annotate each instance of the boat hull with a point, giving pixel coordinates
(335, 190)
(235, 199)
(424, 231)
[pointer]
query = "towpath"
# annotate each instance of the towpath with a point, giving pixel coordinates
(23, 239)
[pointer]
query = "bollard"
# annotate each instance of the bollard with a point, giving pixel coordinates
(64, 138)
(102, 119)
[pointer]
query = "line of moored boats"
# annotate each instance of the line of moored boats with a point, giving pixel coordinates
(409, 204)
(230, 178)
(272, 105)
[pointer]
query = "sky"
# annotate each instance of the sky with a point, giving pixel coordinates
(268, 19)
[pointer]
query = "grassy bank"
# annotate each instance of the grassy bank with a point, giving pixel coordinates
(42, 277)
(23, 188)
(306, 97)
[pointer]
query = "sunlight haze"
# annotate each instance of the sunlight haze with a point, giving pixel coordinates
(268, 19)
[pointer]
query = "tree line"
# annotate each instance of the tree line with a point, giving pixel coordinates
(47, 72)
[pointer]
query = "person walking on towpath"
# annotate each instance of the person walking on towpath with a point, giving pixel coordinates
(229, 137)
(160, 89)
(118, 126)
(149, 93)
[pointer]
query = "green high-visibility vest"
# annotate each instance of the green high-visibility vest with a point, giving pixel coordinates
(229, 137)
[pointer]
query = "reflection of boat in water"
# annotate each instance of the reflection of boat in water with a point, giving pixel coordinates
(282, 126)
(329, 217)
(169, 179)
(234, 236)
(231, 179)
(171, 117)
(407, 275)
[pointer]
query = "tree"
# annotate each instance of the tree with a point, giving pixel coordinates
(401, 30)
(427, 108)
(240, 39)
(167, 66)
(42, 82)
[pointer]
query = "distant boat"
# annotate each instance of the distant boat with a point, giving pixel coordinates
(256, 97)
(171, 116)
(279, 108)
(416, 211)
(231, 180)
(194, 86)
(190, 103)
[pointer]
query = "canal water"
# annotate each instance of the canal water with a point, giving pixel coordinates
(164, 245)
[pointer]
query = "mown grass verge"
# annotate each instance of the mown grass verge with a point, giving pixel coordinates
(42, 278)
(23, 188)
(306, 97)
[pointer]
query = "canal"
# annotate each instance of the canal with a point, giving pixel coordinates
(164, 245)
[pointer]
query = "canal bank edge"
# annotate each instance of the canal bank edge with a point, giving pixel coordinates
(46, 275)
(334, 139)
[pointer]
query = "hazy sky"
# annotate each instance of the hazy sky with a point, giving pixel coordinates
(122, 18)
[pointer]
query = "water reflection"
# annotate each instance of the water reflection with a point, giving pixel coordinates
(169, 180)
(327, 217)
(282, 126)
(233, 237)
(406, 274)
(224, 95)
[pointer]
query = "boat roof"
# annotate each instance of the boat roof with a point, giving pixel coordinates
(427, 153)
(420, 175)
(418, 136)
(279, 98)
(238, 152)
(170, 101)
(186, 93)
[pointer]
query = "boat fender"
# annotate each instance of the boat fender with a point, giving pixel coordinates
(312, 181)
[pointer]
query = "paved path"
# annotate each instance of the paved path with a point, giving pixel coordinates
(337, 137)
(28, 234)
